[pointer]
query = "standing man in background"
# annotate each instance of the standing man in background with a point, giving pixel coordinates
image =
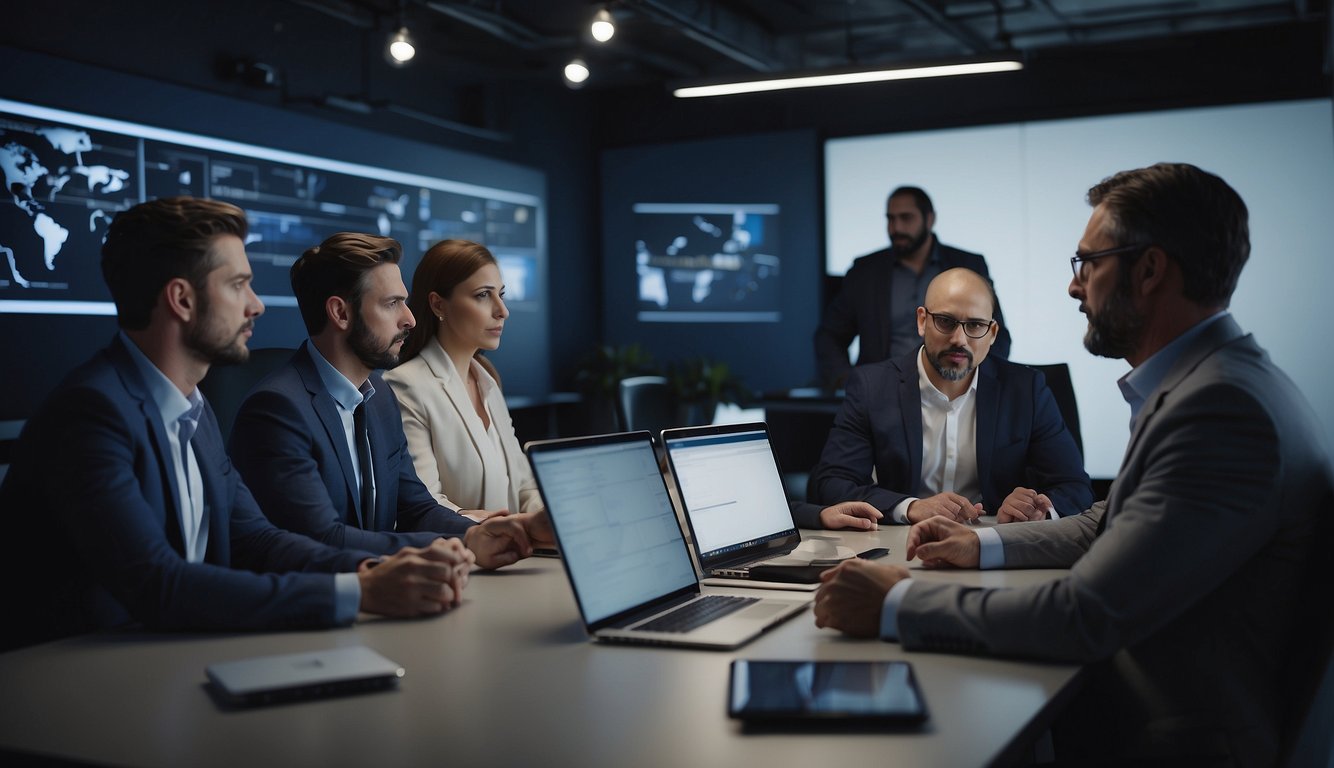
(881, 292)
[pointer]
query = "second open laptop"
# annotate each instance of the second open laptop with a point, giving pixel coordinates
(625, 553)
(732, 493)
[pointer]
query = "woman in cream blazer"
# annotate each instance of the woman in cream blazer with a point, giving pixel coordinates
(458, 427)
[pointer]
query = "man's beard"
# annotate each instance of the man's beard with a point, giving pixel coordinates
(952, 374)
(1115, 330)
(367, 347)
(214, 345)
(913, 244)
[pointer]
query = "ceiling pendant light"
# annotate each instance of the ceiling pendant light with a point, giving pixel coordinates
(576, 73)
(603, 27)
(400, 49)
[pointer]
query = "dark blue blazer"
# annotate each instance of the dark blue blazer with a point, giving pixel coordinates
(92, 534)
(862, 308)
(1021, 439)
(290, 446)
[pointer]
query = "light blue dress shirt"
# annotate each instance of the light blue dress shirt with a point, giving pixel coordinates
(347, 396)
(180, 417)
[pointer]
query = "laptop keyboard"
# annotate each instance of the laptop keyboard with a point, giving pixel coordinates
(697, 613)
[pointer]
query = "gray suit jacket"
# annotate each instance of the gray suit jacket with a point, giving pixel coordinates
(1186, 585)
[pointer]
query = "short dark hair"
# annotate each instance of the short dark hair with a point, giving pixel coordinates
(919, 197)
(338, 267)
(1193, 215)
(158, 241)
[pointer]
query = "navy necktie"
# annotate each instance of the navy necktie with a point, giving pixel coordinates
(363, 441)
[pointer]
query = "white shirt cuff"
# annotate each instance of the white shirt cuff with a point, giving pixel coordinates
(992, 554)
(889, 612)
(347, 597)
(899, 513)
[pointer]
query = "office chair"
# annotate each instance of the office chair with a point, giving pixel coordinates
(646, 402)
(798, 436)
(226, 386)
(1063, 389)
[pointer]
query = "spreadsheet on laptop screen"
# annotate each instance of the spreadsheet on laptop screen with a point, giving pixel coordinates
(731, 486)
(618, 531)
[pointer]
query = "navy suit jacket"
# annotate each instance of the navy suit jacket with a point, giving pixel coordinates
(92, 533)
(1021, 439)
(861, 308)
(290, 446)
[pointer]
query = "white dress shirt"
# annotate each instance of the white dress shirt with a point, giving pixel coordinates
(949, 442)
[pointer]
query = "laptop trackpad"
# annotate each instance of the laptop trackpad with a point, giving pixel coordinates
(763, 610)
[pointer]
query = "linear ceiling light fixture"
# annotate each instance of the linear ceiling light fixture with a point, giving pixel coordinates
(846, 78)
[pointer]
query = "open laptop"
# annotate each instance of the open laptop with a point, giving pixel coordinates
(625, 553)
(731, 489)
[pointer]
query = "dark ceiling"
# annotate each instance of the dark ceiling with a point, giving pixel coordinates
(668, 41)
(489, 71)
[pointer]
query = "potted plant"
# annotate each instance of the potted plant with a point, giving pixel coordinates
(700, 385)
(599, 376)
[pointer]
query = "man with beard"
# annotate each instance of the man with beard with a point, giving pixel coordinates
(320, 441)
(880, 290)
(1194, 590)
(948, 430)
(123, 470)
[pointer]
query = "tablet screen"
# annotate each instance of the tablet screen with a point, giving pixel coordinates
(867, 691)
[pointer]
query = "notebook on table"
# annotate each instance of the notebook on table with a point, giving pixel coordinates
(741, 525)
(625, 553)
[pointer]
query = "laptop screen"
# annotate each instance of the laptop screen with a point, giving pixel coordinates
(618, 532)
(731, 489)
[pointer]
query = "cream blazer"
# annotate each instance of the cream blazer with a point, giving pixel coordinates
(454, 456)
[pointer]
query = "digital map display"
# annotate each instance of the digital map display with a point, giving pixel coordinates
(67, 175)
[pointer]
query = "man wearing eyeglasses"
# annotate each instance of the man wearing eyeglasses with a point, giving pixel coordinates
(944, 430)
(878, 295)
(1197, 591)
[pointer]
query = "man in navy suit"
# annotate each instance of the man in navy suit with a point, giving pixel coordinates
(948, 430)
(123, 470)
(304, 437)
(877, 297)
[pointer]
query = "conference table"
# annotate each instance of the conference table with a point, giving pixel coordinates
(509, 679)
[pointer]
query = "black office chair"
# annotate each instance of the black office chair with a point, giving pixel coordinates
(646, 402)
(1063, 389)
(798, 436)
(226, 386)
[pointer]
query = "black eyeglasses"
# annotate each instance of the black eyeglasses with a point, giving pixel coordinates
(1079, 260)
(973, 329)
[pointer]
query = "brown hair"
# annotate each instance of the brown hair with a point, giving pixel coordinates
(158, 241)
(1193, 215)
(442, 268)
(338, 267)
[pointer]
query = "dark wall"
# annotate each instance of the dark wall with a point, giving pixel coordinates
(781, 169)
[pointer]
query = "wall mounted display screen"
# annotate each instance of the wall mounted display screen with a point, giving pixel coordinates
(707, 262)
(68, 174)
(1015, 193)
(69, 170)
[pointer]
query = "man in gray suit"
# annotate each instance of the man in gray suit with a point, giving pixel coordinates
(1187, 586)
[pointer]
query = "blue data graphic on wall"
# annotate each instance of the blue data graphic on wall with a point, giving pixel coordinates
(707, 262)
(67, 175)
